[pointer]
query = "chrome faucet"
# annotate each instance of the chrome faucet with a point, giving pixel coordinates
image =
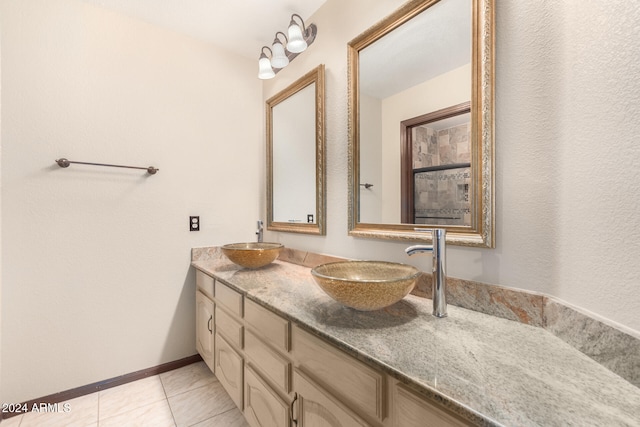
(259, 231)
(439, 269)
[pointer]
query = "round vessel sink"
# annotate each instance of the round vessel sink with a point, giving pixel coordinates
(366, 285)
(252, 254)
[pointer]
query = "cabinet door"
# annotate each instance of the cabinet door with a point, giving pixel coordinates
(229, 370)
(263, 407)
(204, 329)
(317, 408)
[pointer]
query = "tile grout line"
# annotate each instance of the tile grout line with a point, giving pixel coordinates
(164, 390)
(98, 411)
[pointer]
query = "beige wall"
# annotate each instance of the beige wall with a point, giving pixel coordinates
(567, 190)
(96, 280)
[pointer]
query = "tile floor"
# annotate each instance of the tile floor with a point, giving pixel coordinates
(190, 396)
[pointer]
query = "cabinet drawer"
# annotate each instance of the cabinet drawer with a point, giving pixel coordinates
(229, 328)
(231, 299)
(229, 370)
(204, 282)
(263, 407)
(269, 326)
(271, 364)
(350, 380)
(411, 410)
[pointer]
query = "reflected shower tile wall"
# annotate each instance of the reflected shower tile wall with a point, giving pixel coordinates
(444, 147)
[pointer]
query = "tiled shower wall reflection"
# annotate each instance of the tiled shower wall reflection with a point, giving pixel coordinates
(441, 197)
(444, 147)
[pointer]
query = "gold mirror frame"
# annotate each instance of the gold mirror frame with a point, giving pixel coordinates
(481, 233)
(315, 76)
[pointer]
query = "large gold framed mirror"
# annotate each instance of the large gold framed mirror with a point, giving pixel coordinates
(295, 156)
(429, 57)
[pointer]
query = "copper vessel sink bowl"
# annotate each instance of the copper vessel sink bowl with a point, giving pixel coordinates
(252, 254)
(366, 285)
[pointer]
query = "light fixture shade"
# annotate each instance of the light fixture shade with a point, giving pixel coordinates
(296, 42)
(264, 68)
(279, 59)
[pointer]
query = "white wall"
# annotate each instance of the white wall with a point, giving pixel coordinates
(567, 187)
(95, 261)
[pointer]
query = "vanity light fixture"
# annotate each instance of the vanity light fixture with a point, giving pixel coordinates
(280, 54)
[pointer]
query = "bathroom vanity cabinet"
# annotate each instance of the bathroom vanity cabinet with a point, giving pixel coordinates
(290, 355)
(281, 375)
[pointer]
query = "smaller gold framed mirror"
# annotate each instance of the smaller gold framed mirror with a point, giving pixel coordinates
(295, 156)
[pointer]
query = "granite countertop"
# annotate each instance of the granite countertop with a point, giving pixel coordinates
(489, 370)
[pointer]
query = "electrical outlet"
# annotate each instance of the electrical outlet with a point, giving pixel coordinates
(194, 223)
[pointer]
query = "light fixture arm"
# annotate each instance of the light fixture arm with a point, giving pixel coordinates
(277, 39)
(262, 54)
(304, 29)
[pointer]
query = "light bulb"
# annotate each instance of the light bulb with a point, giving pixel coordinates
(264, 68)
(279, 59)
(296, 42)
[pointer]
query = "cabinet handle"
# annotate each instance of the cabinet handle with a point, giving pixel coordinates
(209, 324)
(291, 405)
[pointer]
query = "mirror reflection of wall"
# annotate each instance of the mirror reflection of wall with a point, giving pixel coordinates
(294, 151)
(422, 66)
(295, 156)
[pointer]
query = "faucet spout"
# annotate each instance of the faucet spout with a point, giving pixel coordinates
(419, 249)
(438, 249)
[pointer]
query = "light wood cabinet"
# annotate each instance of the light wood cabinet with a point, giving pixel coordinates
(231, 299)
(355, 383)
(229, 370)
(316, 407)
(204, 283)
(204, 329)
(268, 361)
(229, 327)
(411, 410)
(271, 328)
(263, 406)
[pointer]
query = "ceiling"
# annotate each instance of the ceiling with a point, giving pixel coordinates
(434, 42)
(243, 26)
